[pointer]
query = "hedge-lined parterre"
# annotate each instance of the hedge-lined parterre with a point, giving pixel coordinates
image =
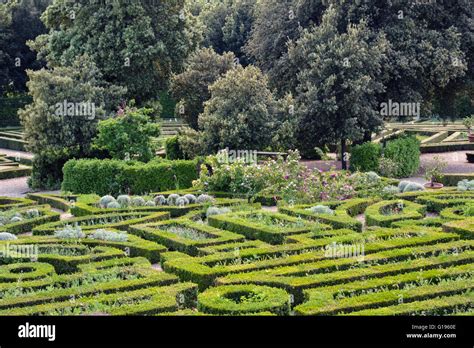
(341, 214)
(240, 259)
(24, 219)
(14, 202)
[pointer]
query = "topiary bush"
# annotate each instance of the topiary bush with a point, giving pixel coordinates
(406, 153)
(160, 200)
(204, 199)
(138, 201)
(465, 185)
(106, 200)
(365, 157)
(182, 201)
(173, 149)
(124, 201)
(171, 200)
(113, 205)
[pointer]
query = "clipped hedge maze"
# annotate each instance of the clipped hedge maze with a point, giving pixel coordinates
(409, 255)
(10, 169)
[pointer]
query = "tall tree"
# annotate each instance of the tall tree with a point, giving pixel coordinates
(240, 114)
(227, 25)
(339, 82)
(19, 22)
(136, 44)
(191, 87)
(61, 121)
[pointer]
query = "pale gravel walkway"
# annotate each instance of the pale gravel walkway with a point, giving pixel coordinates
(17, 187)
(14, 153)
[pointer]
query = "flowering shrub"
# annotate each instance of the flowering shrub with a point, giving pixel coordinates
(286, 178)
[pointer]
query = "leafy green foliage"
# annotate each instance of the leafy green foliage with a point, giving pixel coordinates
(365, 157)
(226, 25)
(128, 135)
(406, 153)
(134, 44)
(173, 149)
(19, 22)
(117, 177)
(241, 112)
(339, 84)
(55, 137)
(191, 87)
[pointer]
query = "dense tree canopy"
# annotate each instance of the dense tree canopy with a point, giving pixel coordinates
(430, 44)
(19, 22)
(240, 113)
(56, 123)
(191, 87)
(338, 82)
(226, 25)
(136, 44)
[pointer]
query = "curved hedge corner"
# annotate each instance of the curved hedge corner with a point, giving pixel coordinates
(114, 177)
(465, 228)
(244, 299)
(375, 216)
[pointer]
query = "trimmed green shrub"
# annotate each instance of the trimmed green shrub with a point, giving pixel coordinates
(360, 295)
(365, 157)
(406, 153)
(244, 299)
(173, 150)
(384, 213)
(465, 228)
(184, 235)
(115, 177)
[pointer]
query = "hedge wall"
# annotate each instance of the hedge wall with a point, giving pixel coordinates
(115, 177)
(452, 179)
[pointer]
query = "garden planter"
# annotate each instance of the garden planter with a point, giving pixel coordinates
(471, 138)
(434, 186)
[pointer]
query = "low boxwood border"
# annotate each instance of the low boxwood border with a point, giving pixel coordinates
(173, 241)
(465, 228)
(237, 222)
(218, 300)
(374, 216)
(135, 219)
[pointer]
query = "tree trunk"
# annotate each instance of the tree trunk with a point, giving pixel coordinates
(367, 136)
(343, 154)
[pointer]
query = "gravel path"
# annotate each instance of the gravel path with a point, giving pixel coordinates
(457, 163)
(17, 187)
(13, 153)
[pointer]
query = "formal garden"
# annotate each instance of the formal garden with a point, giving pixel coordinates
(236, 158)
